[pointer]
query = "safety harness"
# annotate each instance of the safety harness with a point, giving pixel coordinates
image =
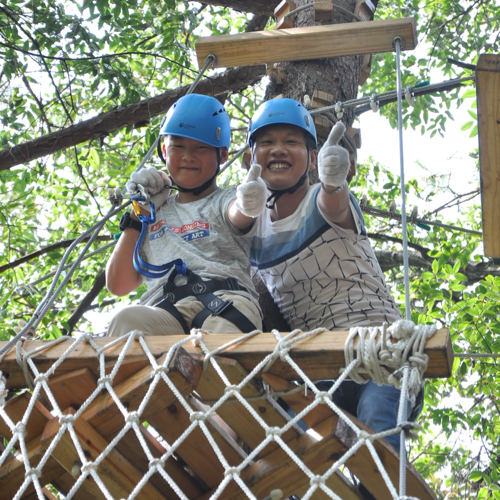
(203, 290)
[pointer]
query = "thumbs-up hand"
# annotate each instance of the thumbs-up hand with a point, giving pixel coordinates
(251, 195)
(333, 160)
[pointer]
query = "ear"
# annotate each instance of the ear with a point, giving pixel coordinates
(312, 159)
(224, 155)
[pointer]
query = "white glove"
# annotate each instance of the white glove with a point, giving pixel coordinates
(333, 160)
(251, 195)
(151, 179)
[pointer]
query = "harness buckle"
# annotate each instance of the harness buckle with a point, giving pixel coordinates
(218, 306)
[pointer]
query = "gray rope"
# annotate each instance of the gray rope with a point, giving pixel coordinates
(52, 294)
(234, 158)
(476, 355)
(390, 215)
(406, 267)
(392, 94)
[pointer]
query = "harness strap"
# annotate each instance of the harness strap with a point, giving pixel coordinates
(204, 293)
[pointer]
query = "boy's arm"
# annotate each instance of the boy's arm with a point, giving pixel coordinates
(250, 199)
(333, 166)
(121, 276)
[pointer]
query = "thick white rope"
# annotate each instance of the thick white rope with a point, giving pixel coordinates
(381, 359)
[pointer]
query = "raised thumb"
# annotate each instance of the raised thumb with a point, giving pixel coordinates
(335, 134)
(253, 173)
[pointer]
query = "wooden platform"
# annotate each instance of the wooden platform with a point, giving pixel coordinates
(194, 468)
(313, 42)
(488, 115)
(321, 357)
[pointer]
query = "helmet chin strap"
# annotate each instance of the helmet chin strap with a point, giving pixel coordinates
(278, 193)
(198, 190)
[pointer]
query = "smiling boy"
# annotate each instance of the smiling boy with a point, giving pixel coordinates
(311, 248)
(209, 228)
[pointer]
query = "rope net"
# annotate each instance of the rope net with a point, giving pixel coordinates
(136, 423)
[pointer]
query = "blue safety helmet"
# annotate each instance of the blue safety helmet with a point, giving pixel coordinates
(282, 111)
(199, 117)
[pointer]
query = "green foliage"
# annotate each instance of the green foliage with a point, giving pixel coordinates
(63, 62)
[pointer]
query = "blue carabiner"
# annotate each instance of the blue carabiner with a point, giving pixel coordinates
(141, 266)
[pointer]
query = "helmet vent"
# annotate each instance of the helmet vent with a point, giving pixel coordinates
(307, 120)
(217, 133)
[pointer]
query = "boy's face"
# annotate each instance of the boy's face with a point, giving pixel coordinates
(191, 163)
(281, 150)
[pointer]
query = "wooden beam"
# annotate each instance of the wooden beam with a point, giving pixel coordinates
(362, 463)
(312, 42)
(196, 451)
(278, 470)
(281, 10)
(488, 107)
(321, 357)
(117, 473)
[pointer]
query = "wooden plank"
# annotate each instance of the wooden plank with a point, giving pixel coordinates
(321, 357)
(312, 42)
(488, 107)
(323, 11)
(211, 387)
(361, 464)
(364, 9)
(281, 10)
(72, 389)
(196, 451)
(117, 473)
(103, 414)
(13, 473)
(16, 408)
(130, 448)
(278, 470)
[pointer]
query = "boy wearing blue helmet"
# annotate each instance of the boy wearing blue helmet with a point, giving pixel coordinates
(311, 248)
(207, 228)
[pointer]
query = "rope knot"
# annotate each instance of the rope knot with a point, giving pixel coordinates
(232, 390)
(87, 337)
(363, 435)
(66, 419)
(323, 397)
(161, 369)
(274, 432)
(89, 467)
(232, 471)
(20, 428)
(196, 338)
(103, 380)
(197, 416)
(317, 481)
(33, 473)
(133, 418)
(284, 348)
(156, 464)
(40, 379)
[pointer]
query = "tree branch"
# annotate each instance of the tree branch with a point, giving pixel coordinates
(85, 304)
(43, 251)
(235, 79)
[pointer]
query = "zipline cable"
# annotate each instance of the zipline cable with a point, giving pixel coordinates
(402, 404)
